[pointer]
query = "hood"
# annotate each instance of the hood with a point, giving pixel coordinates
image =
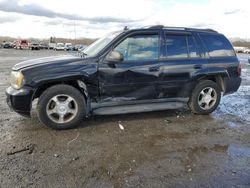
(46, 60)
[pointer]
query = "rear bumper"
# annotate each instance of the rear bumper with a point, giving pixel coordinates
(232, 85)
(20, 100)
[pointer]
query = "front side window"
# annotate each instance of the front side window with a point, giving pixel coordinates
(217, 45)
(139, 47)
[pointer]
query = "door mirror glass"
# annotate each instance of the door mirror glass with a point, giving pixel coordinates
(114, 57)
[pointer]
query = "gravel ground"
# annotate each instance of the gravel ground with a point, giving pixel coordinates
(157, 149)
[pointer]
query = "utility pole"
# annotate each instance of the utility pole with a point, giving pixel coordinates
(75, 30)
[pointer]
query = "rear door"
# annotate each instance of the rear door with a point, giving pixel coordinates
(136, 77)
(183, 57)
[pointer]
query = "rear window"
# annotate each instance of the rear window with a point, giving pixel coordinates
(217, 45)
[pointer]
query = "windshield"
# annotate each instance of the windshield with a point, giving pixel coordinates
(97, 46)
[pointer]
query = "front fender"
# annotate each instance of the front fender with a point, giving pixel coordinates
(38, 81)
(88, 84)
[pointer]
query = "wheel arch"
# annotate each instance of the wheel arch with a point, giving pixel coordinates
(79, 84)
(217, 75)
(217, 78)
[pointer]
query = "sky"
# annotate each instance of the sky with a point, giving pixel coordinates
(95, 18)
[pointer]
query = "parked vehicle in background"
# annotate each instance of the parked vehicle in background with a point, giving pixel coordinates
(80, 47)
(7, 45)
(77, 47)
(14, 44)
(22, 44)
(52, 46)
(59, 46)
(44, 46)
(68, 47)
(247, 51)
(34, 46)
(144, 69)
(239, 49)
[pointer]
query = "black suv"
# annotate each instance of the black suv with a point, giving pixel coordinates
(145, 69)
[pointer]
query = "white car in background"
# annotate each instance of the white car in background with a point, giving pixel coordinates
(68, 47)
(59, 46)
(247, 51)
(239, 49)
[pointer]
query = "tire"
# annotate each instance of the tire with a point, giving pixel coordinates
(200, 102)
(61, 107)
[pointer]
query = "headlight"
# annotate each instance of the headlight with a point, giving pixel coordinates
(16, 79)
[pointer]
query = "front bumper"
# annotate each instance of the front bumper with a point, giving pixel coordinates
(20, 100)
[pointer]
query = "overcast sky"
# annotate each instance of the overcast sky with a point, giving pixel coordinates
(95, 18)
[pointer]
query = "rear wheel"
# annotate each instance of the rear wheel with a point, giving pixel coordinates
(61, 107)
(205, 97)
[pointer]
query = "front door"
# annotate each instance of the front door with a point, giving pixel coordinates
(135, 77)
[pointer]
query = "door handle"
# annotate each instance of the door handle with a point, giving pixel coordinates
(154, 69)
(197, 66)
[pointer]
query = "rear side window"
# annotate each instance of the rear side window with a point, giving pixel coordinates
(181, 46)
(217, 45)
(192, 47)
(176, 46)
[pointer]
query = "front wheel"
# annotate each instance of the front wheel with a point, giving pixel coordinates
(205, 97)
(61, 107)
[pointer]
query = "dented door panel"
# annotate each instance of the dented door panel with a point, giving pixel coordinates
(176, 77)
(128, 81)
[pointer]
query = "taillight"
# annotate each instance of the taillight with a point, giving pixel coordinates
(239, 70)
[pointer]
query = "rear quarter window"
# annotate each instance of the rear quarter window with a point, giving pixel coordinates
(217, 45)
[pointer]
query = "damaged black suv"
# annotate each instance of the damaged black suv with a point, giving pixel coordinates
(145, 69)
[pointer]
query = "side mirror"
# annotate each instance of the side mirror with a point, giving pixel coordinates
(114, 57)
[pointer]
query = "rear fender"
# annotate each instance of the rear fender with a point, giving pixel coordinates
(216, 71)
(217, 74)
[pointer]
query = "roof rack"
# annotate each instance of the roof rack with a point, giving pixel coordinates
(153, 27)
(196, 29)
(190, 29)
(177, 28)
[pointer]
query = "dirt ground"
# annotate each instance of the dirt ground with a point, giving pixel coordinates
(157, 149)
